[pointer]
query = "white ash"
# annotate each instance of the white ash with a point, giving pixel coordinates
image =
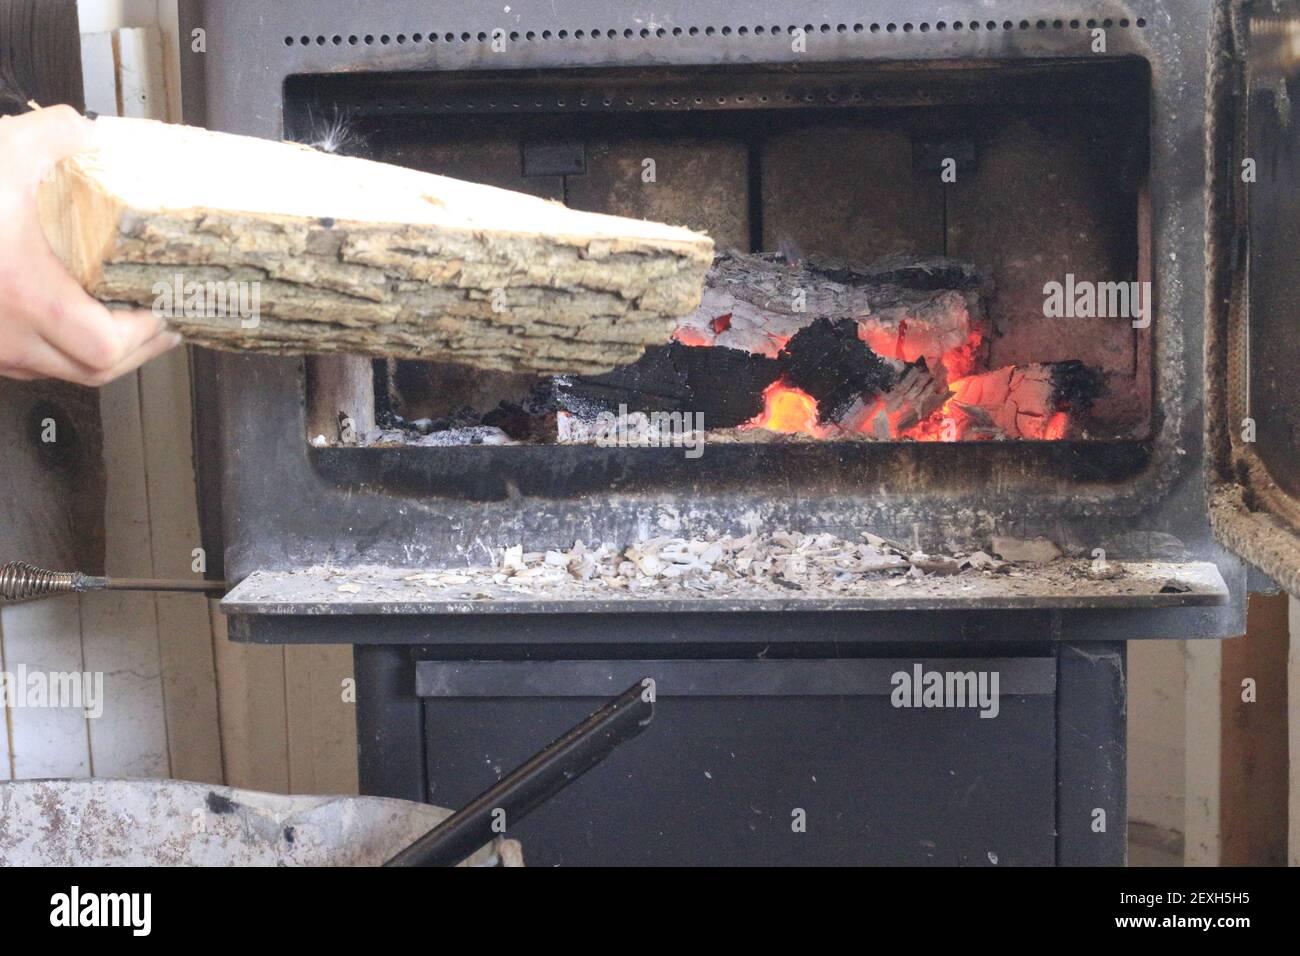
(635, 429)
(473, 435)
(783, 560)
(923, 327)
(1024, 549)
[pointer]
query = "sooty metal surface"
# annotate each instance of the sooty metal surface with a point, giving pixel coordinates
(375, 590)
(298, 507)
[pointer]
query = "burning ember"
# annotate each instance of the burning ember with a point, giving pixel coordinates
(918, 407)
(788, 410)
(895, 351)
(1013, 402)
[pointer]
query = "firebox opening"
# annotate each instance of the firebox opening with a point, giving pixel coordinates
(952, 253)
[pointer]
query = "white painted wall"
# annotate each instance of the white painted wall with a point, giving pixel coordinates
(100, 16)
(1203, 709)
(45, 637)
(1157, 734)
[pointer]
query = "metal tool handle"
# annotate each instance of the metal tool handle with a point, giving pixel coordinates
(528, 786)
(20, 581)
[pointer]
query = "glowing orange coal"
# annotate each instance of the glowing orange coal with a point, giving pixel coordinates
(1057, 426)
(946, 423)
(692, 337)
(787, 409)
(963, 416)
(961, 361)
(950, 423)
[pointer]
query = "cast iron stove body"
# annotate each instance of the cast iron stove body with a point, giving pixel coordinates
(775, 711)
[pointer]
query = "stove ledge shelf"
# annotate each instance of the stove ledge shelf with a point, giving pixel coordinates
(378, 606)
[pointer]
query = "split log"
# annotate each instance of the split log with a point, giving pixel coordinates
(337, 254)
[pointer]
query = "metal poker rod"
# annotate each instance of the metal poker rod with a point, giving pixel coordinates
(545, 774)
(20, 581)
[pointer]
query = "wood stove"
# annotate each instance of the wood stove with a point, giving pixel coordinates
(971, 158)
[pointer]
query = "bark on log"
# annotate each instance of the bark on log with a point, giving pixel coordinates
(359, 257)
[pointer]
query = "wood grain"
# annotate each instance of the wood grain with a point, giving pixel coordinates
(183, 626)
(119, 629)
(1254, 784)
(322, 725)
(253, 707)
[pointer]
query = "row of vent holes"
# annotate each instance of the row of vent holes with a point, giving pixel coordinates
(370, 39)
(404, 106)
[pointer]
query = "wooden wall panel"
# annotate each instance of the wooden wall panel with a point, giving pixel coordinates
(51, 494)
(6, 731)
(165, 699)
(120, 629)
(1156, 743)
(1202, 709)
(45, 636)
(322, 726)
(178, 693)
(1293, 732)
(253, 711)
(1254, 788)
(184, 625)
(120, 632)
(99, 70)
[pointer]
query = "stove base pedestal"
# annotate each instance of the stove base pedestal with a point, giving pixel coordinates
(892, 758)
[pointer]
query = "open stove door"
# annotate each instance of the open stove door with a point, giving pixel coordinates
(1253, 353)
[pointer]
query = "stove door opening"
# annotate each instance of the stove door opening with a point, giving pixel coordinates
(937, 255)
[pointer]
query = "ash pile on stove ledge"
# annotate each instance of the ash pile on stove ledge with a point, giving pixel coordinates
(810, 563)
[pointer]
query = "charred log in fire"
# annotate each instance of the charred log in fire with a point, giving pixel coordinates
(821, 376)
(723, 385)
(1022, 401)
(819, 348)
(828, 360)
(906, 307)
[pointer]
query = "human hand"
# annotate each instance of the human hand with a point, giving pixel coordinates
(49, 326)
